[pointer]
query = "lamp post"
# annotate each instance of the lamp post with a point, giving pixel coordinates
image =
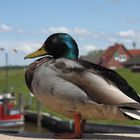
(6, 72)
(7, 67)
(134, 45)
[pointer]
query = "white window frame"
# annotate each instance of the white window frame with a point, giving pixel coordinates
(122, 58)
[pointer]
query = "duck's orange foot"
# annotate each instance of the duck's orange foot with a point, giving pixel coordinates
(78, 129)
(67, 135)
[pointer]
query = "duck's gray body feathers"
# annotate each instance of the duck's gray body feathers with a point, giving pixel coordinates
(69, 86)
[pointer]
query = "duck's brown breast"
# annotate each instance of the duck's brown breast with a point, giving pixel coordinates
(29, 74)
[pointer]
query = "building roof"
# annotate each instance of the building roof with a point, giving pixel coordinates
(134, 52)
(109, 53)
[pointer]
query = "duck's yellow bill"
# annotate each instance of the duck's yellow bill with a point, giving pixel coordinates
(37, 53)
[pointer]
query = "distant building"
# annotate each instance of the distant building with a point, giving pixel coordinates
(95, 58)
(135, 61)
(134, 52)
(115, 56)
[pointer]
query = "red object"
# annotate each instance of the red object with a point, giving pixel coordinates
(8, 115)
(134, 52)
(77, 125)
(78, 129)
(108, 57)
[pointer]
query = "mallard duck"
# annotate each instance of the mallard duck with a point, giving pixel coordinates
(77, 88)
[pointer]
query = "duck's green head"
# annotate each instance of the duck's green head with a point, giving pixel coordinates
(57, 45)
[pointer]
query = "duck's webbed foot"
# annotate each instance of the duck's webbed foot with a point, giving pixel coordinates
(78, 129)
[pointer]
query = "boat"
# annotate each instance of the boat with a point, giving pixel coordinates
(11, 119)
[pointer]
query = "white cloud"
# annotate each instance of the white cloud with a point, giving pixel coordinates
(20, 31)
(24, 47)
(76, 31)
(81, 35)
(58, 29)
(127, 34)
(112, 39)
(5, 28)
(81, 32)
(87, 48)
(28, 47)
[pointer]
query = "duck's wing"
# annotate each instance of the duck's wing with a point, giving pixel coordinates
(79, 67)
(112, 77)
(107, 86)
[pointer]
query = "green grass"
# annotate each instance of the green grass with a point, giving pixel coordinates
(128, 123)
(17, 81)
(132, 78)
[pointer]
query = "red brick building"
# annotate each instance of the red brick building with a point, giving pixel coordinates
(115, 56)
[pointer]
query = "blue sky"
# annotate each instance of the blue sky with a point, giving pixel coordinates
(95, 24)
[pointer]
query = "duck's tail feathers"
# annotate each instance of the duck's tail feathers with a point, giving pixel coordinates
(133, 114)
(131, 109)
(114, 112)
(101, 112)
